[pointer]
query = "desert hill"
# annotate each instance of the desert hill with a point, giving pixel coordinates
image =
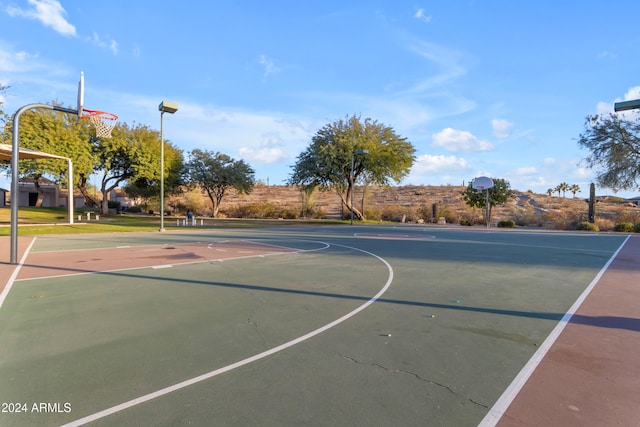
(416, 203)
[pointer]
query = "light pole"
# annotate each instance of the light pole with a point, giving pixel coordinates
(353, 184)
(164, 107)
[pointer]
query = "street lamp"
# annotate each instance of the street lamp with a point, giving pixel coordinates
(633, 104)
(164, 107)
(353, 188)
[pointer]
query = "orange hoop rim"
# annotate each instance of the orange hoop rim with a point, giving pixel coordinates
(104, 115)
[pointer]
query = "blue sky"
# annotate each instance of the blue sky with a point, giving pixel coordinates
(499, 88)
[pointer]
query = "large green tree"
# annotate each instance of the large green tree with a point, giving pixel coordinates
(216, 173)
(614, 145)
(498, 195)
(132, 154)
(54, 133)
(346, 151)
(143, 181)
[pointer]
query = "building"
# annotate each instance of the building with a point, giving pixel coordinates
(28, 193)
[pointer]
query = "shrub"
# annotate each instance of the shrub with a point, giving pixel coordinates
(562, 220)
(450, 216)
(587, 226)
(113, 204)
(396, 213)
(287, 213)
(466, 222)
(527, 216)
(373, 214)
(629, 216)
(319, 213)
(424, 212)
(624, 227)
(507, 223)
(636, 228)
(605, 224)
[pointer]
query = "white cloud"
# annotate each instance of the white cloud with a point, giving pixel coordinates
(448, 61)
(271, 150)
(459, 140)
(632, 93)
(108, 43)
(265, 155)
(49, 12)
(604, 107)
(583, 172)
(428, 163)
(421, 16)
(527, 170)
(14, 61)
(501, 128)
(437, 169)
(605, 54)
(268, 65)
(113, 46)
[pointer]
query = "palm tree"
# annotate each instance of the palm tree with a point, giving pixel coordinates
(564, 187)
(575, 188)
(558, 189)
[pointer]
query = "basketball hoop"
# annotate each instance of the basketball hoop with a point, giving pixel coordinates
(103, 122)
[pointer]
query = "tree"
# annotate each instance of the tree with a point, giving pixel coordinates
(131, 154)
(574, 188)
(550, 191)
(215, 173)
(345, 151)
(55, 133)
(146, 187)
(498, 195)
(614, 145)
(563, 187)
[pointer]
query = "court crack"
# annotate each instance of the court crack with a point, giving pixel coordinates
(254, 324)
(418, 377)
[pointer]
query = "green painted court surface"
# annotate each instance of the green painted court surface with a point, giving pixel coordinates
(463, 312)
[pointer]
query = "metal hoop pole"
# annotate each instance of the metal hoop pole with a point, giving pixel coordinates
(15, 157)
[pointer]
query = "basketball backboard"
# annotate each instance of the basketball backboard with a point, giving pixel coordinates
(482, 183)
(81, 95)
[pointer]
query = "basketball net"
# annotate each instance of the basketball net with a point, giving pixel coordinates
(102, 121)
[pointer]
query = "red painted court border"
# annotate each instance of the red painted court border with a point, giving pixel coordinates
(587, 375)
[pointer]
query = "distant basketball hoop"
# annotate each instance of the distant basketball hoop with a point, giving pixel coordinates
(103, 122)
(482, 183)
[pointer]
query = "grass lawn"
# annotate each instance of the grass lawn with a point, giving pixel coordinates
(34, 221)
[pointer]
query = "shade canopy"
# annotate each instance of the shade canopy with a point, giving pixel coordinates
(6, 151)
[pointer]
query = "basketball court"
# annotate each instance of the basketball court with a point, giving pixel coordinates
(364, 325)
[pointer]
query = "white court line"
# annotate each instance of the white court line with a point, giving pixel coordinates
(12, 279)
(117, 270)
(208, 375)
(502, 404)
